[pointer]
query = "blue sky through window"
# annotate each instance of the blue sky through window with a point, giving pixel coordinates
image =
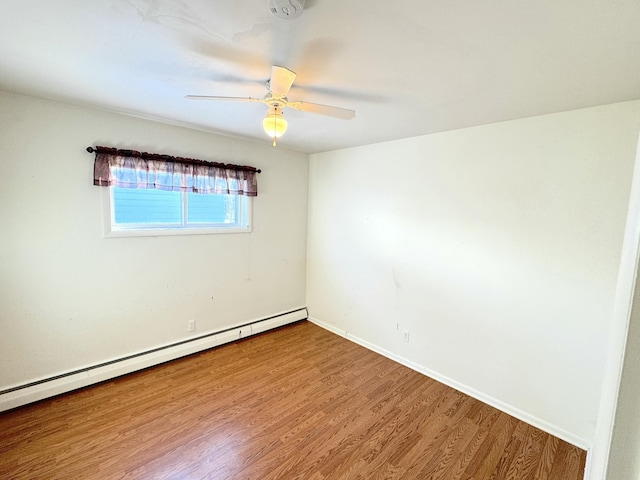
(159, 207)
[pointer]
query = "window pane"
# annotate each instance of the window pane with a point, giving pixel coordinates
(211, 208)
(140, 205)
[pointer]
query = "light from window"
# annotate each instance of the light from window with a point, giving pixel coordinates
(139, 211)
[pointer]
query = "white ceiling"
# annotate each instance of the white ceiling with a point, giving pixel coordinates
(408, 67)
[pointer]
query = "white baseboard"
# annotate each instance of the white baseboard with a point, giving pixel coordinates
(45, 388)
(502, 406)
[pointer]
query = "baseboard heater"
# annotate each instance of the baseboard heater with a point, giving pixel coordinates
(48, 387)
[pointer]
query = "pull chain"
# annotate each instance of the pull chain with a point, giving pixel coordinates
(275, 124)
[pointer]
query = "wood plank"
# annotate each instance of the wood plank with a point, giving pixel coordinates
(297, 403)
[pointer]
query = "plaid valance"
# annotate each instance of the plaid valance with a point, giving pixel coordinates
(133, 169)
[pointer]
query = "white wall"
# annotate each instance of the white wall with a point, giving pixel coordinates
(624, 455)
(624, 449)
(624, 461)
(496, 247)
(71, 298)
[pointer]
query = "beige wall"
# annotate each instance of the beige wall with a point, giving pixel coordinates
(71, 298)
(496, 247)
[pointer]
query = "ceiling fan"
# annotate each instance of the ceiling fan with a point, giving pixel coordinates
(276, 99)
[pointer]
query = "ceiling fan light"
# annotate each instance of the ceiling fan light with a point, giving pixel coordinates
(274, 123)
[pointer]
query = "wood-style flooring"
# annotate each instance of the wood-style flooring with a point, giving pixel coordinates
(294, 403)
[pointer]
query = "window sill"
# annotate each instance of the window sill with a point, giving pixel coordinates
(161, 232)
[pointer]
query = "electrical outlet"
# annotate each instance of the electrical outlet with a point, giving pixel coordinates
(405, 336)
(191, 326)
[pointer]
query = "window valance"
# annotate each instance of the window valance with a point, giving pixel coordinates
(132, 169)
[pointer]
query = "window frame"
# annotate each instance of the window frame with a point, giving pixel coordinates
(138, 230)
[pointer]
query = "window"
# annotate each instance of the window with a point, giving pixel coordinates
(151, 194)
(150, 212)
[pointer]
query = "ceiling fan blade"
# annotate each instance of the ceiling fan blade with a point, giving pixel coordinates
(343, 113)
(281, 81)
(231, 99)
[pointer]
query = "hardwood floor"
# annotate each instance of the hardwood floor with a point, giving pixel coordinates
(295, 403)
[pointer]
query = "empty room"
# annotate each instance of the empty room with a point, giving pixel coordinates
(287, 239)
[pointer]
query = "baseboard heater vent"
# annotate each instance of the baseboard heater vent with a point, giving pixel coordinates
(55, 385)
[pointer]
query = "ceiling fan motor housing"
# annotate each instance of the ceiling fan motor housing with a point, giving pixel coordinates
(286, 9)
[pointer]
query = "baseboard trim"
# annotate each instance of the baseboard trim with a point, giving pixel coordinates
(502, 406)
(55, 385)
